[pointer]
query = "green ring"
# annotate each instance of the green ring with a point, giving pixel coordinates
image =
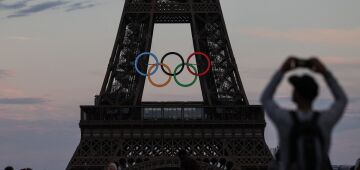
(185, 85)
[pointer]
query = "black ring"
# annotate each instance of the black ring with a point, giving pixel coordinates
(182, 60)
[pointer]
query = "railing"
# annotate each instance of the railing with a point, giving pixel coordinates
(172, 112)
(161, 163)
(171, 7)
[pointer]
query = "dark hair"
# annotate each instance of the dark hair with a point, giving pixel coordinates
(305, 85)
(9, 168)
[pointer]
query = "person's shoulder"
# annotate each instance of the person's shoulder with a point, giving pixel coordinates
(321, 115)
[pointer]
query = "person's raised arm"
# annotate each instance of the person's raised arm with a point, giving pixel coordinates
(267, 99)
(336, 110)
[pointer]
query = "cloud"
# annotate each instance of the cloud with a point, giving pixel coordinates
(79, 5)
(23, 100)
(49, 109)
(24, 10)
(16, 5)
(5, 73)
(37, 8)
(328, 36)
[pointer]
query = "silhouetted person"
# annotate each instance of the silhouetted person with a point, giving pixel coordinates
(304, 133)
(187, 163)
(9, 168)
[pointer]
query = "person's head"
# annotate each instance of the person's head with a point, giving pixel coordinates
(9, 168)
(111, 166)
(305, 89)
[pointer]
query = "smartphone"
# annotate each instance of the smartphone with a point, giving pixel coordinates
(303, 63)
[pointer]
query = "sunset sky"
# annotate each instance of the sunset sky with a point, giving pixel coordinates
(54, 54)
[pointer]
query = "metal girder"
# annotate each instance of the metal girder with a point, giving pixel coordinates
(123, 86)
(222, 132)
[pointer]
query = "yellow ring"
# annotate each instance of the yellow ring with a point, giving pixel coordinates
(167, 81)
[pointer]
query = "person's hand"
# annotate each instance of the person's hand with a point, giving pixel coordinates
(289, 64)
(317, 65)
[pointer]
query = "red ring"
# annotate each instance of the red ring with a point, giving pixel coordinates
(208, 62)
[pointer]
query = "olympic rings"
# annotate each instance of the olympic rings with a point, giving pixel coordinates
(207, 68)
(185, 85)
(137, 61)
(182, 63)
(166, 82)
(178, 69)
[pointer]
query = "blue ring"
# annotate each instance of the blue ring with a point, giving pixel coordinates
(137, 60)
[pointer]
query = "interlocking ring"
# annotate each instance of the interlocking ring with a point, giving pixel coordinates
(178, 69)
(181, 84)
(166, 82)
(182, 63)
(207, 68)
(137, 61)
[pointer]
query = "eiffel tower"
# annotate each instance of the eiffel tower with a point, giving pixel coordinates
(222, 132)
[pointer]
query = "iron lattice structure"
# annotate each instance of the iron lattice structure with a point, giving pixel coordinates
(222, 132)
